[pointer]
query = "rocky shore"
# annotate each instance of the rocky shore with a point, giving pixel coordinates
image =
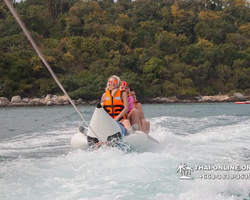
(202, 99)
(49, 100)
(54, 100)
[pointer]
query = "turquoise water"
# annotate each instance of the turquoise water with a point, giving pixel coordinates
(37, 162)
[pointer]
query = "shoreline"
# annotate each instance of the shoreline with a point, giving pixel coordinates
(54, 100)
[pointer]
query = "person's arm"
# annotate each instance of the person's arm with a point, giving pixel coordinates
(125, 102)
(135, 98)
(103, 99)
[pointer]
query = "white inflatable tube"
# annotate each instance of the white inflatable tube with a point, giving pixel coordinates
(141, 141)
(104, 127)
(79, 141)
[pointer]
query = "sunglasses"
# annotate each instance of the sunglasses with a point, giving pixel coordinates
(114, 81)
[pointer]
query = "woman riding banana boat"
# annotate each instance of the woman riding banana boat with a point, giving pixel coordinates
(115, 102)
(112, 120)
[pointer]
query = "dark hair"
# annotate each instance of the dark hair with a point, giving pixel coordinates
(131, 89)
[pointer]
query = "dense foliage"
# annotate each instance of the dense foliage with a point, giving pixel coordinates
(161, 47)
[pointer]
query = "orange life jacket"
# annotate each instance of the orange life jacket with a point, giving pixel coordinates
(135, 102)
(114, 105)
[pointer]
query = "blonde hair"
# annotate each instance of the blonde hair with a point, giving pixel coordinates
(117, 87)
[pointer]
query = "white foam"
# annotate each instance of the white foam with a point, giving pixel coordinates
(61, 173)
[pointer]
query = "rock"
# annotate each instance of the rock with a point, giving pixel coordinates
(84, 103)
(223, 98)
(216, 98)
(16, 99)
(50, 103)
(206, 98)
(37, 102)
(165, 100)
(154, 100)
(55, 100)
(26, 100)
(63, 98)
(159, 100)
(186, 101)
(198, 98)
(239, 96)
(94, 102)
(79, 101)
(4, 101)
(60, 100)
(47, 98)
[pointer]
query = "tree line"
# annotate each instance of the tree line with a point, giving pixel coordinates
(162, 48)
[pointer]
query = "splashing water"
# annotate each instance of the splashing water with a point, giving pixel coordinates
(37, 162)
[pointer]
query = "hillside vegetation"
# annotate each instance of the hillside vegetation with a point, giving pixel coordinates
(161, 47)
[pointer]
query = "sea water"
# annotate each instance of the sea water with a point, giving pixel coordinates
(37, 162)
